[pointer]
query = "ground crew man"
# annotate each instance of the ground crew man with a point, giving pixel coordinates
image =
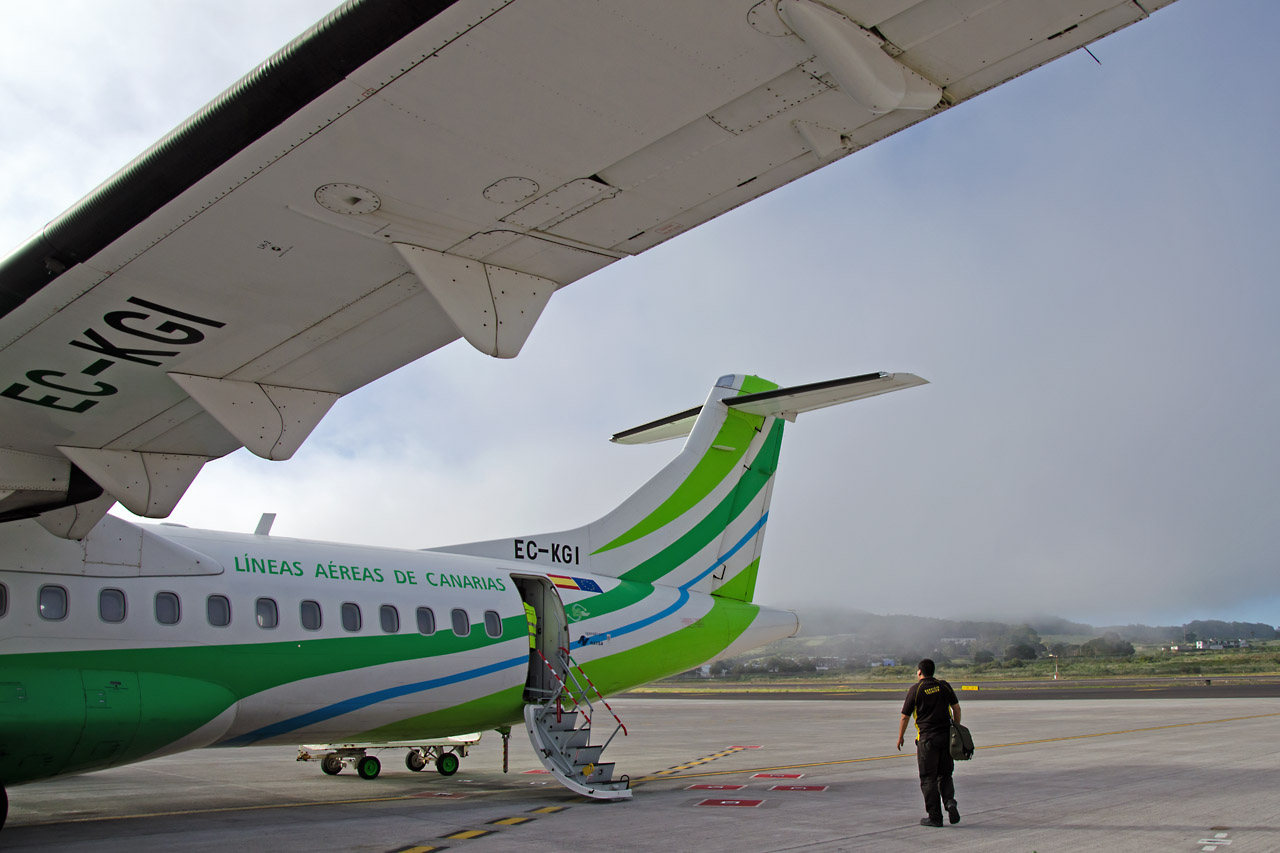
(929, 701)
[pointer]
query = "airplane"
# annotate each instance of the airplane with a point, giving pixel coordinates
(402, 176)
(142, 641)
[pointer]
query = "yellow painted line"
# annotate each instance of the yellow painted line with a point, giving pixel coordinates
(659, 777)
(511, 821)
(688, 765)
(548, 810)
(466, 834)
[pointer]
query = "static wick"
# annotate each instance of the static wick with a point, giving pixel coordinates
(1090, 52)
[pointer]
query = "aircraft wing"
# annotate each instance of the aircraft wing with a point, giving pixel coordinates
(408, 173)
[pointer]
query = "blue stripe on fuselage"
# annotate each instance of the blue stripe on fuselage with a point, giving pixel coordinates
(356, 703)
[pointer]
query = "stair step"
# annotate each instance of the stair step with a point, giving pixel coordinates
(599, 773)
(568, 721)
(567, 753)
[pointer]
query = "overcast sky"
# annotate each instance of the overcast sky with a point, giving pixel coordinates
(1081, 262)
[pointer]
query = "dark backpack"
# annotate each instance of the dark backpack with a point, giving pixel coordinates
(961, 742)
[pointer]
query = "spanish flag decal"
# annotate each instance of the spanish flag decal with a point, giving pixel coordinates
(584, 584)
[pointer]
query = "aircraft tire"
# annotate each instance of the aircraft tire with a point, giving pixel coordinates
(368, 767)
(414, 761)
(447, 764)
(4, 805)
(331, 764)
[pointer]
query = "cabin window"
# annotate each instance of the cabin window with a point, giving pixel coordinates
(311, 615)
(111, 605)
(426, 620)
(218, 608)
(4, 600)
(351, 616)
(267, 612)
(492, 623)
(390, 618)
(53, 602)
(461, 622)
(168, 608)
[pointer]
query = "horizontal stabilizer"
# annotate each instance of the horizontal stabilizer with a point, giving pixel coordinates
(789, 402)
(782, 402)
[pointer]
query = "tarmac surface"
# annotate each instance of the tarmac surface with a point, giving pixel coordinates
(1102, 774)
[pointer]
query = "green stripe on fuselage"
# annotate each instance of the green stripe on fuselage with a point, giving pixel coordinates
(506, 707)
(667, 655)
(638, 583)
(741, 586)
(674, 652)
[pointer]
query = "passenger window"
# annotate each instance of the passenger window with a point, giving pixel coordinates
(492, 623)
(311, 615)
(461, 622)
(426, 620)
(218, 608)
(390, 619)
(4, 600)
(351, 616)
(267, 612)
(53, 603)
(168, 608)
(111, 605)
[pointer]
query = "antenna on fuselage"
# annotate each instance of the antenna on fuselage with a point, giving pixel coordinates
(264, 524)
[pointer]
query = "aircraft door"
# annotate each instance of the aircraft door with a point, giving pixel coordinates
(550, 636)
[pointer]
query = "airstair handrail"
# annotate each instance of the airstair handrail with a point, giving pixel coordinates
(603, 700)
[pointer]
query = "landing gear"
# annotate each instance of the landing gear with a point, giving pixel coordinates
(445, 753)
(447, 764)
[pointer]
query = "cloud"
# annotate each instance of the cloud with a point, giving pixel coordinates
(1078, 261)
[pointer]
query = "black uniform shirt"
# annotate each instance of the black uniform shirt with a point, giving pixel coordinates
(928, 700)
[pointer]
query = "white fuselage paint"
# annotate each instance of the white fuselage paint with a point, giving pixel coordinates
(288, 572)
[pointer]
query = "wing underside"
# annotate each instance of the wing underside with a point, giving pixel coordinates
(404, 175)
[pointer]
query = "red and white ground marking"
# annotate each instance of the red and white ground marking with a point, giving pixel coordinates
(539, 770)
(441, 795)
(746, 747)
(777, 776)
(798, 788)
(715, 787)
(749, 804)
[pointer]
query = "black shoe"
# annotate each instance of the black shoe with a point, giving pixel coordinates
(931, 821)
(953, 811)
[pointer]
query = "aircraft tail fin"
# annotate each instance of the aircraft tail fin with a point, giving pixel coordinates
(698, 524)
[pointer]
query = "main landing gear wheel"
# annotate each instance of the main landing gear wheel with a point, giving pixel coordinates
(414, 761)
(331, 764)
(447, 764)
(368, 767)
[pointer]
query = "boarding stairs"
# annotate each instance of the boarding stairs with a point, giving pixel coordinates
(562, 745)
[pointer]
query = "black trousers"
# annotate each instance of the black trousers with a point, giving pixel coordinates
(933, 758)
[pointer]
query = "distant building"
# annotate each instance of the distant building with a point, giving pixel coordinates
(959, 641)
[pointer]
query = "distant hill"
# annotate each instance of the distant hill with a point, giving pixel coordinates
(904, 634)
